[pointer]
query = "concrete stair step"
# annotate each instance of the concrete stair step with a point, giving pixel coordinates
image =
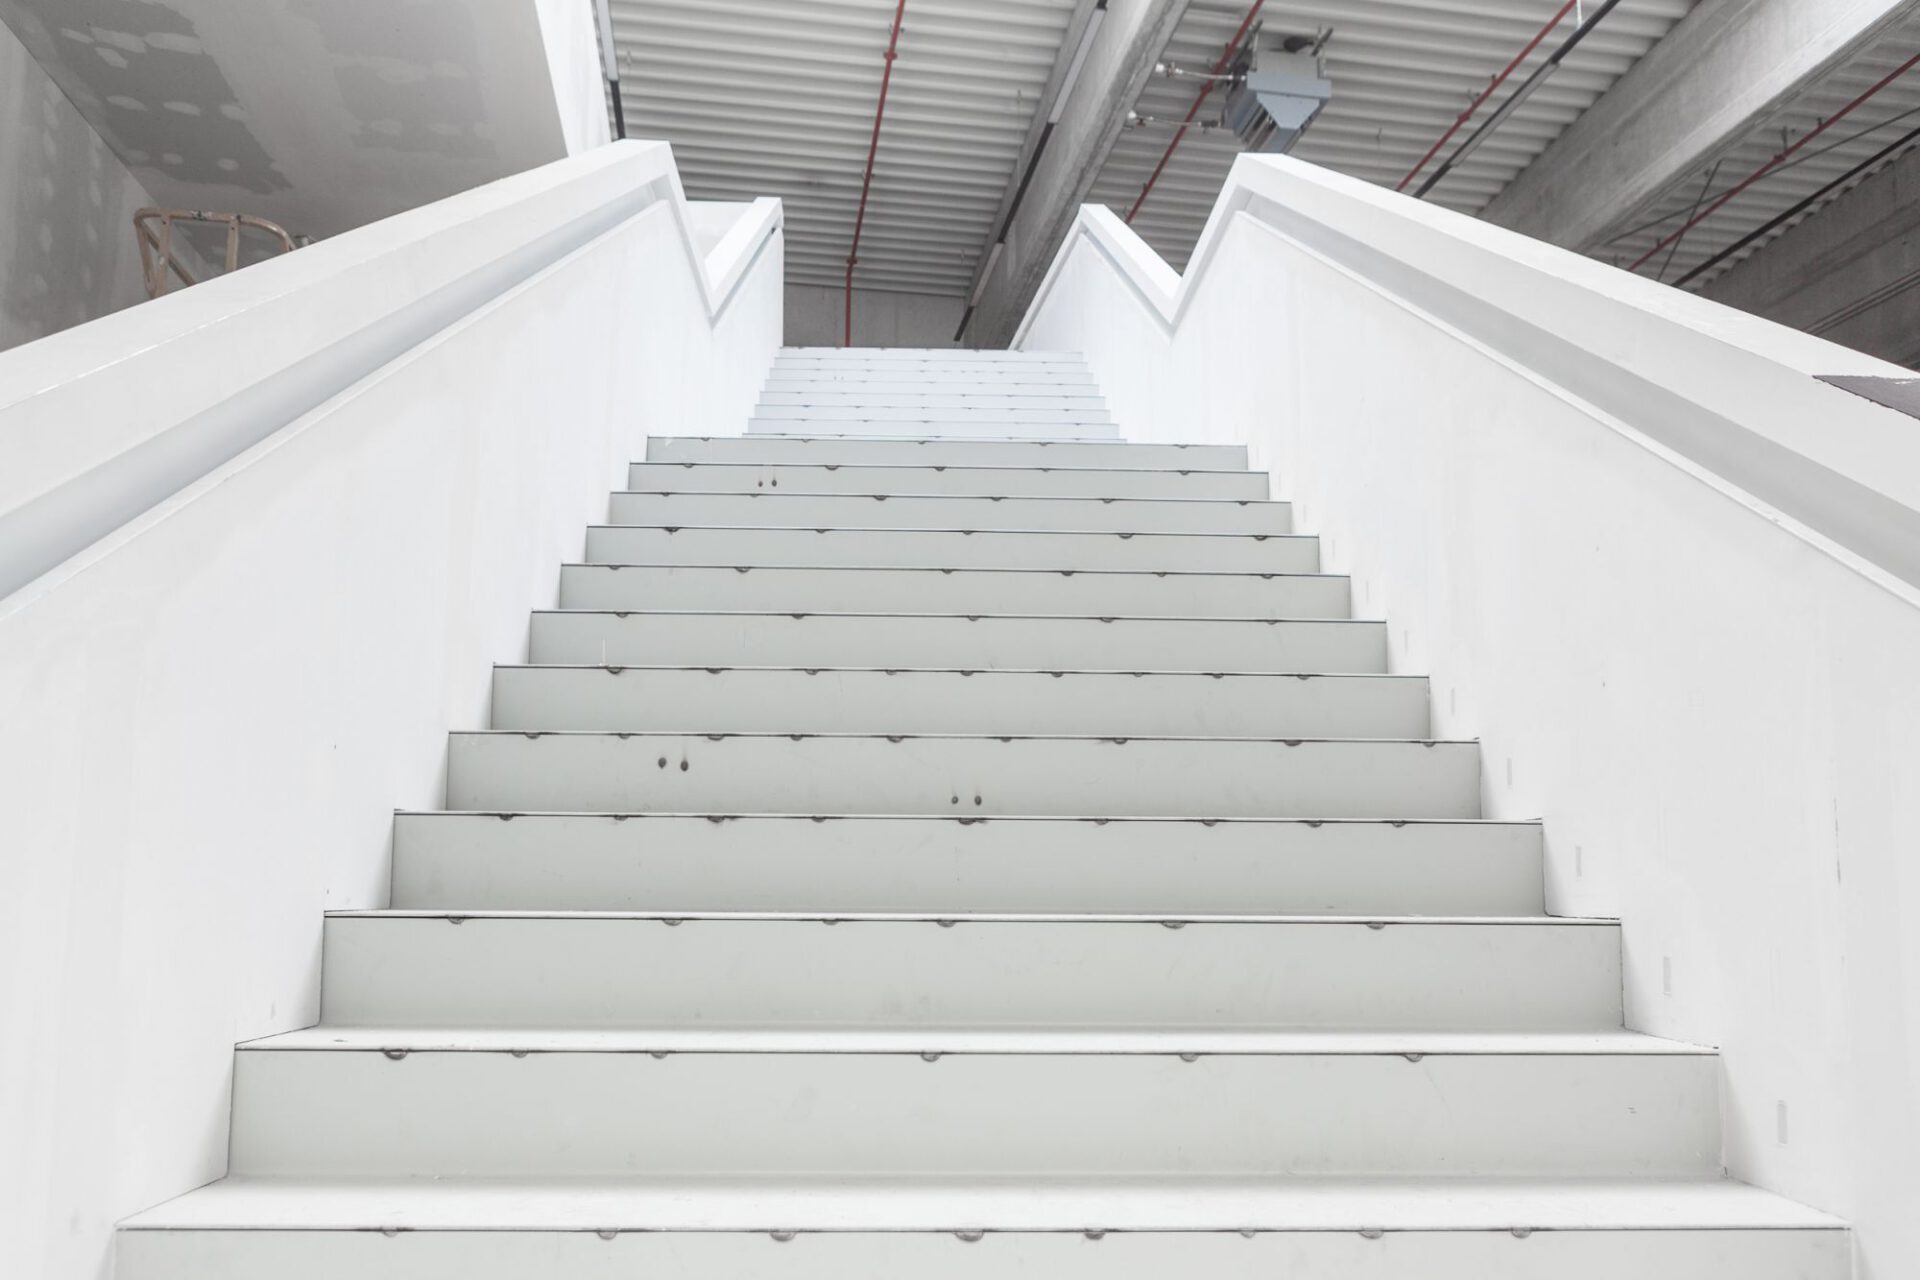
(800, 510)
(1010, 379)
(854, 406)
(966, 642)
(948, 866)
(947, 480)
(871, 548)
(1043, 397)
(841, 700)
(1083, 593)
(922, 355)
(979, 776)
(955, 425)
(906, 976)
(911, 449)
(1356, 1228)
(1063, 364)
(583, 1103)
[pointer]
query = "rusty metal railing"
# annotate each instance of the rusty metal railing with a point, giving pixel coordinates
(158, 262)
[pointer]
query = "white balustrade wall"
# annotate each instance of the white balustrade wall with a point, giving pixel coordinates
(1668, 577)
(264, 540)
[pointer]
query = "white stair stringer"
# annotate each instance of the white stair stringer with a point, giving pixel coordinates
(934, 836)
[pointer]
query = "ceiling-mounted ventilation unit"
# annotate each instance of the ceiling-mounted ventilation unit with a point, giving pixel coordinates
(1279, 86)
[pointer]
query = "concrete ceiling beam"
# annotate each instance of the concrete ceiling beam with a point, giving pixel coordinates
(1689, 101)
(1119, 60)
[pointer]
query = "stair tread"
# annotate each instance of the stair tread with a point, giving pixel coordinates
(1262, 574)
(658, 815)
(969, 917)
(1020, 1042)
(1155, 618)
(1192, 1203)
(959, 466)
(1058, 672)
(904, 495)
(949, 737)
(762, 433)
(894, 532)
(930, 440)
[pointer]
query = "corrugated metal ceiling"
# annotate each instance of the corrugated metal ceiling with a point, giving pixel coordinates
(1877, 123)
(1401, 71)
(776, 97)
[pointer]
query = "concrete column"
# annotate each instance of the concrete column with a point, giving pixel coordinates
(1691, 98)
(1132, 37)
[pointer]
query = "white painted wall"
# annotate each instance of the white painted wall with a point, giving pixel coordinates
(208, 715)
(67, 253)
(1671, 581)
(816, 317)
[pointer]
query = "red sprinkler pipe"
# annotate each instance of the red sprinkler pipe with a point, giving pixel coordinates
(1476, 104)
(1770, 165)
(1225, 60)
(866, 183)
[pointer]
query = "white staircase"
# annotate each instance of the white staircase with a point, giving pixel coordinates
(990, 851)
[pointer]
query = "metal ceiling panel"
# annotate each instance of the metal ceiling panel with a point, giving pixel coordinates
(1402, 70)
(776, 97)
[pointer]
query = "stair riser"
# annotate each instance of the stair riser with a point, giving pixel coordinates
(905, 356)
(1072, 369)
(856, 407)
(775, 400)
(599, 863)
(979, 644)
(583, 1255)
(920, 355)
(594, 773)
(933, 377)
(960, 481)
(326, 1113)
(880, 382)
(963, 591)
(949, 426)
(716, 700)
(399, 971)
(943, 549)
(937, 453)
(805, 511)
